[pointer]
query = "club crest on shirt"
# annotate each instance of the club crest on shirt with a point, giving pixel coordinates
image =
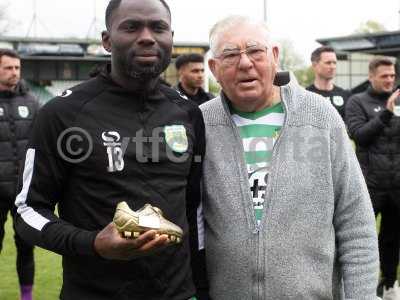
(176, 138)
(23, 111)
(338, 100)
(1, 111)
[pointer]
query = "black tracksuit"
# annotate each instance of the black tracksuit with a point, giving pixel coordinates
(200, 97)
(122, 165)
(17, 110)
(337, 96)
(376, 132)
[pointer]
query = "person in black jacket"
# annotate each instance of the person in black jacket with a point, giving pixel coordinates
(17, 110)
(120, 136)
(376, 132)
(324, 61)
(190, 68)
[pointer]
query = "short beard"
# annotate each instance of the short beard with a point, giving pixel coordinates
(143, 73)
(146, 73)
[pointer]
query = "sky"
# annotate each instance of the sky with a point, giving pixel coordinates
(301, 22)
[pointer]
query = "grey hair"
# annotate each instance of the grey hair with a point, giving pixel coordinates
(228, 23)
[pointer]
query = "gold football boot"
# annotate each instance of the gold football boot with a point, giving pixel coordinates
(131, 224)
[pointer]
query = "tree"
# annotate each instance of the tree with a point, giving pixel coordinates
(289, 59)
(213, 86)
(305, 76)
(370, 26)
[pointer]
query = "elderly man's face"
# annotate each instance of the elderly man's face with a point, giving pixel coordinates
(247, 80)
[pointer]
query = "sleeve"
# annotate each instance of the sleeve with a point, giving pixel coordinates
(361, 129)
(353, 221)
(193, 200)
(44, 177)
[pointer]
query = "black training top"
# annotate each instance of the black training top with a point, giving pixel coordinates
(376, 132)
(337, 96)
(201, 96)
(141, 149)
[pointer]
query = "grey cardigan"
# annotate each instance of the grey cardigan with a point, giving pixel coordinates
(317, 238)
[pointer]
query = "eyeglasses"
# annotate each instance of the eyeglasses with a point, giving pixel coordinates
(254, 51)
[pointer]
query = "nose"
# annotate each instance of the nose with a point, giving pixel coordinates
(146, 37)
(244, 61)
(15, 71)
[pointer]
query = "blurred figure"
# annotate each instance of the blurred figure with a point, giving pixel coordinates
(323, 61)
(376, 132)
(17, 110)
(190, 68)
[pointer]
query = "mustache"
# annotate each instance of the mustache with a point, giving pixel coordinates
(134, 52)
(144, 72)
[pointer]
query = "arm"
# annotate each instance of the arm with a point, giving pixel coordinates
(193, 202)
(353, 221)
(45, 177)
(361, 129)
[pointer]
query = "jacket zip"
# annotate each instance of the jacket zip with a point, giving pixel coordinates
(257, 227)
(142, 113)
(275, 146)
(13, 138)
(267, 195)
(249, 210)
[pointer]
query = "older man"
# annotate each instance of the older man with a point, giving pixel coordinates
(286, 209)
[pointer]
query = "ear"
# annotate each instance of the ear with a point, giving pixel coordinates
(180, 71)
(105, 39)
(275, 53)
(313, 64)
(213, 67)
(370, 75)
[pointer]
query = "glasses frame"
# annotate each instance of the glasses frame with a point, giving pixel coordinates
(238, 54)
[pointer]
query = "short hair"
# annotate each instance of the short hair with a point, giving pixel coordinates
(227, 24)
(9, 53)
(114, 4)
(184, 59)
(377, 62)
(316, 54)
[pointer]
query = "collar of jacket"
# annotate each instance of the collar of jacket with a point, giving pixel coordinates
(105, 76)
(20, 90)
(381, 96)
(180, 88)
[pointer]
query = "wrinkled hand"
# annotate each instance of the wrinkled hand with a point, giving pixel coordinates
(109, 244)
(391, 101)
